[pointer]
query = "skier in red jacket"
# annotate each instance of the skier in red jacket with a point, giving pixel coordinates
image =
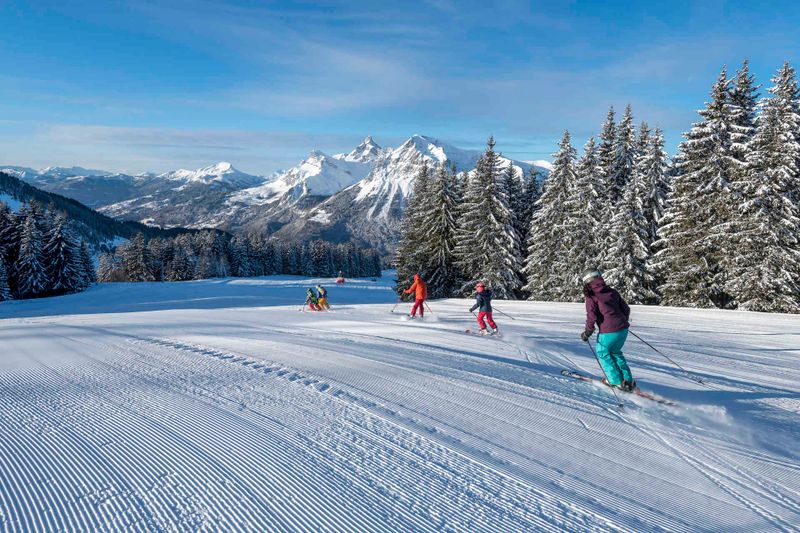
(420, 288)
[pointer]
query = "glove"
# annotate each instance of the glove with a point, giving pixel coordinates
(586, 334)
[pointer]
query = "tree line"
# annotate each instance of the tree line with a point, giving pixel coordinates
(718, 226)
(209, 254)
(41, 254)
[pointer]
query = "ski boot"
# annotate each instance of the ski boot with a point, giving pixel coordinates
(628, 386)
(494, 331)
(485, 332)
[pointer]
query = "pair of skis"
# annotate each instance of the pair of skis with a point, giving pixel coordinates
(637, 391)
(480, 334)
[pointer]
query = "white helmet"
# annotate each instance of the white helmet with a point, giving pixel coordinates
(591, 274)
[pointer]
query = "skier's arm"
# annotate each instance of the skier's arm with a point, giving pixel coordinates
(412, 288)
(477, 304)
(591, 313)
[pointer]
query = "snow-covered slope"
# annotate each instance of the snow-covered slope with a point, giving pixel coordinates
(216, 405)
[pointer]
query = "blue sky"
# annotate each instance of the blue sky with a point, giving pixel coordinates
(156, 85)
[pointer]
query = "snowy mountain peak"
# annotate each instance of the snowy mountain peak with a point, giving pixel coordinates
(368, 150)
(67, 172)
(222, 172)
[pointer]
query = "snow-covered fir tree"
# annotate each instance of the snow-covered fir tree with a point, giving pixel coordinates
(628, 255)
(583, 214)
(744, 102)
(62, 258)
(531, 191)
(88, 273)
(30, 270)
(439, 228)
(487, 248)
(696, 254)
(624, 158)
(549, 271)
(654, 170)
(136, 259)
(5, 288)
(409, 259)
(606, 158)
(766, 274)
(179, 268)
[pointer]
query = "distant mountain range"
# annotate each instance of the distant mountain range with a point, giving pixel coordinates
(356, 196)
(101, 232)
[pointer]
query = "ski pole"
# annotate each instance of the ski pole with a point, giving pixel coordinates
(659, 352)
(589, 344)
(506, 314)
(429, 307)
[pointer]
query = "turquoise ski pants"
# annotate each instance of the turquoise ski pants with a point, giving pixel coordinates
(609, 351)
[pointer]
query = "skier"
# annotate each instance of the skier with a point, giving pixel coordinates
(340, 279)
(322, 294)
(483, 300)
(606, 308)
(312, 301)
(420, 288)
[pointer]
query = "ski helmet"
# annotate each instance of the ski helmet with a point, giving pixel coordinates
(591, 274)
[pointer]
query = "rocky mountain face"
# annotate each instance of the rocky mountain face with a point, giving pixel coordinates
(356, 196)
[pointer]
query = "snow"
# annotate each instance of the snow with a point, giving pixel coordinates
(321, 216)
(222, 172)
(10, 201)
(318, 175)
(217, 405)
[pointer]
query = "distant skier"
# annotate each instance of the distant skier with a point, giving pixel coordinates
(340, 278)
(312, 301)
(483, 302)
(322, 295)
(606, 308)
(420, 290)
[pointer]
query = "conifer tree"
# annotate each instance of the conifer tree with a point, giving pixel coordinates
(654, 171)
(5, 288)
(62, 258)
(439, 228)
(136, 259)
(30, 272)
(531, 191)
(766, 273)
(743, 98)
(695, 239)
(88, 274)
(628, 266)
(550, 276)
(409, 259)
(487, 245)
(606, 162)
(624, 158)
(583, 210)
(105, 268)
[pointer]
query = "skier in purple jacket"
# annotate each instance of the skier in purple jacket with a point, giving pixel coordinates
(606, 309)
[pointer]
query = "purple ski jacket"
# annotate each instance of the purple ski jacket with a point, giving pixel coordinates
(606, 308)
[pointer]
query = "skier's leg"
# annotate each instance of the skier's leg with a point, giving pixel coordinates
(416, 306)
(606, 359)
(421, 304)
(616, 352)
(490, 320)
(481, 324)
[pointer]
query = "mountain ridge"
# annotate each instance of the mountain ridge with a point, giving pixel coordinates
(358, 195)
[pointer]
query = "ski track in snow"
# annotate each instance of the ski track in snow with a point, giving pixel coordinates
(151, 415)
